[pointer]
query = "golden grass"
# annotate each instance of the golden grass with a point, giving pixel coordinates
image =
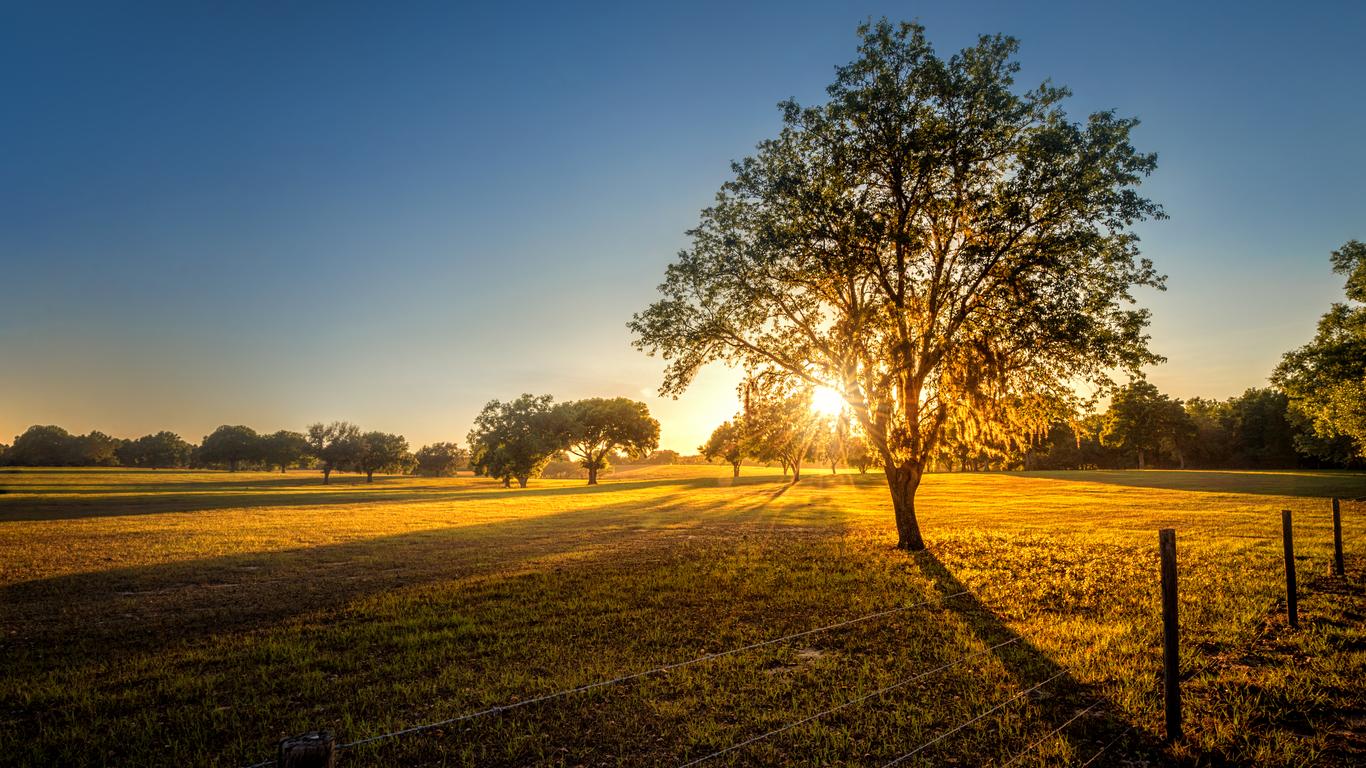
(195, 617)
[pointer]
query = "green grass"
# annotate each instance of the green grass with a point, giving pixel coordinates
(188, 618)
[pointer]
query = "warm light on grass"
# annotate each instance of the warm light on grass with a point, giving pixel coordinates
(194, 618)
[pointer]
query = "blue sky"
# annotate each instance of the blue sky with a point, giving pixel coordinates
(278, 213)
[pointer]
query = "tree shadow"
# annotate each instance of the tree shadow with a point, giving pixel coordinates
(1301, 483)
(1066, 696)
(23, 505)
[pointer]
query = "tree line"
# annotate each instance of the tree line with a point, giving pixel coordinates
(512, 440)
(339, 446)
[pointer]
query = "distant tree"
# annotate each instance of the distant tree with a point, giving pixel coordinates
(334, 445)
(932, 243)
(43, 446)
(231, 445)
(514, 440)
(592, 429)
(1325, 380)
(382, 452)
(859, 454)
(1143, 421)
(727, 442)
(1262, 436)
(779, 423)
(662, 457)
(156, 451)
(440, 459)
(1213, 422)
(94, 449)
(283, 449)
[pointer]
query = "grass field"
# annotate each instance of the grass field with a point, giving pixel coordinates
(194, 618)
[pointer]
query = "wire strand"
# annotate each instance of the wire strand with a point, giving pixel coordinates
(851, 702)
(633, 676)
(1051, 734)
(948, 733)
(1106, 748)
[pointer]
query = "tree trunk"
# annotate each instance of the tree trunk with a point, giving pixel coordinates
(507, 482)
(832, 468)
(232, 465)
(327, 473)
(592, 475)
(796, 470)
(735, 468)
(521, 481)
(784, 463)
(282, 468)
(903, 482)
(369, 475)
(1141, 463)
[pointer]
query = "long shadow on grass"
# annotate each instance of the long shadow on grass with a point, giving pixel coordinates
(1303, 483)
(246, 495)
(137, 607)
(1062, 698)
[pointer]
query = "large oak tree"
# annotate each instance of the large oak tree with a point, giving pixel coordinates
(932, 242)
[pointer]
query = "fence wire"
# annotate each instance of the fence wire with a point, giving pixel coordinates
(633, 676)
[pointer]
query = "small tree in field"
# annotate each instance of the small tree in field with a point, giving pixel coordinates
(1145, 422)
(334, 445)
(779, 422)
(382, 452)
(514, 440)
(230, 445)
(284, 448)
(932, 243)
(726, 442)
(592, 429)
(440, 459)
(859, 455)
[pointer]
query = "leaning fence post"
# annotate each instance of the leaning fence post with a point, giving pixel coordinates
(315, 749)
(1288, 539)
(1337, 539)
(1171, 637)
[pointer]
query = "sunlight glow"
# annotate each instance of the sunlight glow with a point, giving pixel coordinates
(826, 401)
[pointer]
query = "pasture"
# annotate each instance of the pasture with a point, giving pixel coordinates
(194, 618)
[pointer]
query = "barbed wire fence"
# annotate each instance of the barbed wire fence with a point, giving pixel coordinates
(328, 745)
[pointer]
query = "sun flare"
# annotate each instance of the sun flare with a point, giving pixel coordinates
(826, 401)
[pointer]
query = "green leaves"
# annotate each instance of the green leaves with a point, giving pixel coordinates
(936, 245)
(1326, 379)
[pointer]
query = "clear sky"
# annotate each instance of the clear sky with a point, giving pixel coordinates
(274, 213)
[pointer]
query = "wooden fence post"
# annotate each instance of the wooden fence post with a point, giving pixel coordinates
(315, 749)
(1171, 634)
(1337, 539)
(1288, 539)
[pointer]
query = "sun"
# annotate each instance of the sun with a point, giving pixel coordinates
(826, 401)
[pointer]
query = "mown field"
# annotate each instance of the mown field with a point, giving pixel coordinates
(194, 618)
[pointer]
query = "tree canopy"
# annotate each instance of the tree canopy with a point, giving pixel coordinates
(381, 452)
(932, 242)
(230, 445)
(335, 446)
(514, 440)
(1142, 420)
(727, 442)
(1325, 379)
(440, 459)
(592, 429)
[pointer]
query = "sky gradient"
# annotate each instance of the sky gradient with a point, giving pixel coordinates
(280, 213)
